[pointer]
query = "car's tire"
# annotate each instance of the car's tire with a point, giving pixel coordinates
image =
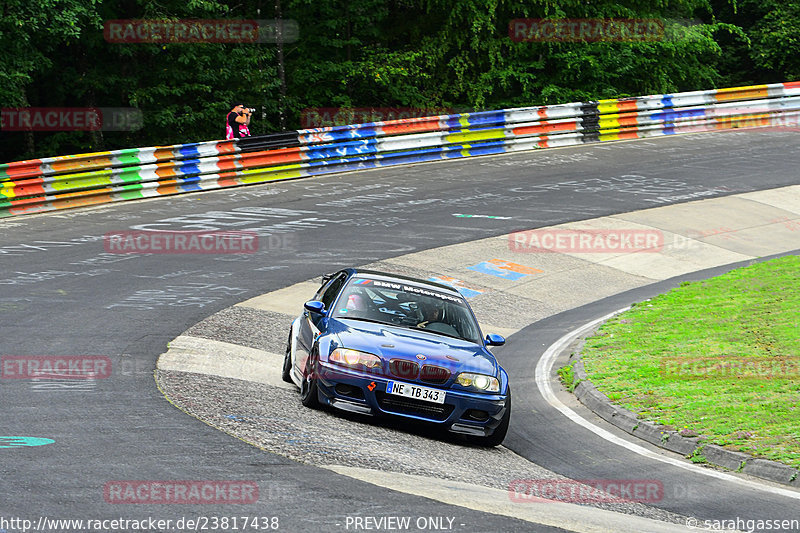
(496, 438)
(287, 361)
(309, 389)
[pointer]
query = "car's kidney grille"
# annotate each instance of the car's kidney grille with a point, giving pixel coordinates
(404, 369)
(410, 406)
(436, 375)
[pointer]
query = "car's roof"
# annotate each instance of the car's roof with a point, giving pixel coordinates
(385, 276)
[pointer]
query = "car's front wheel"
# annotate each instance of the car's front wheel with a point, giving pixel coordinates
(496, 438)
(309, 389)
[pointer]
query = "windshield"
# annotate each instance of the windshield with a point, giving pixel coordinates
(409, 306)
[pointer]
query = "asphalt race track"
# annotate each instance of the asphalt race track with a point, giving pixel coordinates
(63, 294)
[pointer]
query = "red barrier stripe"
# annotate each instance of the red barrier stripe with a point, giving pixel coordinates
(23, 169)
(28, 189)
(417, 127)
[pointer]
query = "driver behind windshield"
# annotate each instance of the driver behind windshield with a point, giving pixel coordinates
(431, 312)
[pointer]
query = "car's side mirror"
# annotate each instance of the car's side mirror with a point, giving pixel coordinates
(493, 339)
(315, 306)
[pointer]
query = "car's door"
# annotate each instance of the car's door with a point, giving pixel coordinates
(312, 324)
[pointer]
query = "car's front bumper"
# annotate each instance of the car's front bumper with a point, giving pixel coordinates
(462, 411)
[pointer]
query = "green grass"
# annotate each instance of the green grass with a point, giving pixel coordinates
(567, 376)
(749, 316)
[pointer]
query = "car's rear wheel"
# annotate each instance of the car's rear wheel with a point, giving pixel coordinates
(496, 438)
(287, 361)
(309, 390)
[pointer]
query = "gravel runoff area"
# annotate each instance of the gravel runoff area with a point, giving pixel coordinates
(273, 419)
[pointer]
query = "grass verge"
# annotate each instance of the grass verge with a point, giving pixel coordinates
(718, 358)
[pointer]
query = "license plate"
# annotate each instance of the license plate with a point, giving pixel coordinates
(415, 391)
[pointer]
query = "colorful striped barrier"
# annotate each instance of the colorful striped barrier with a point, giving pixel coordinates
(87, 179)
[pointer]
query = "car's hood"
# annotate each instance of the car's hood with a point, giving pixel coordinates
(394, 342)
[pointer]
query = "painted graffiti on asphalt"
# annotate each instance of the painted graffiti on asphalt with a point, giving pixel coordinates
(188, 294)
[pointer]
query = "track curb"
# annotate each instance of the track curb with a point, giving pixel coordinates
(690, 447)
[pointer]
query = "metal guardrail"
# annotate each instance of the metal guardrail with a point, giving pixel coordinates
(72, 181)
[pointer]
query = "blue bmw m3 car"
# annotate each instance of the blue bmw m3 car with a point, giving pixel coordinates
(383, 344)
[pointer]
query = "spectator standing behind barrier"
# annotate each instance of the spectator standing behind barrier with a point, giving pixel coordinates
(237, 122)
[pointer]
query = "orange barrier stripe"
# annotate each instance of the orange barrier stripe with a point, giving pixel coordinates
(742, 93)
(226, 180)
(261, 159)
(226, 147)
(81, 164)
(168, 187)
(226, 163)
(546, 127)
(163, 153)
(23, 210)
(80, 202)
(628, 135)
(166, 170)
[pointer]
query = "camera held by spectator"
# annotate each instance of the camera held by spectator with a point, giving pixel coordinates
(238, 121)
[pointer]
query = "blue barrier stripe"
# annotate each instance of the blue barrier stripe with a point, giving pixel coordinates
(189, 150)
(349, 165)
(191, 168)
(671, 116)
(487, 118)
(342, 150)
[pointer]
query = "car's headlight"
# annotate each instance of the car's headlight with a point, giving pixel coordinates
(478, 381)
(355, 359)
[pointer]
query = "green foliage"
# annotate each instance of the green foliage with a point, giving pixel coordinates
(455, 54)
(567, 375)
